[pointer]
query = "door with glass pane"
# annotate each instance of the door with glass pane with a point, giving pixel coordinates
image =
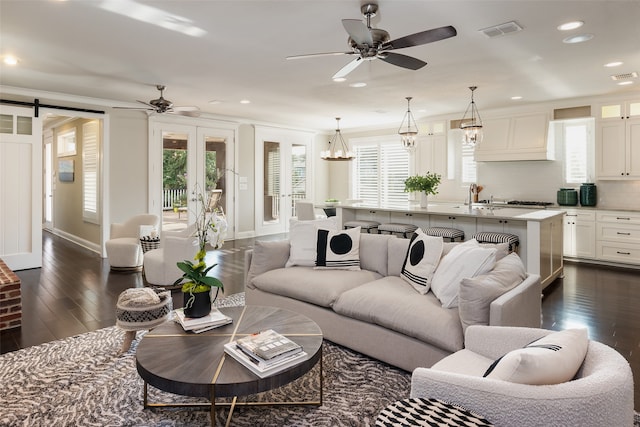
(282, 171)
(21, 183)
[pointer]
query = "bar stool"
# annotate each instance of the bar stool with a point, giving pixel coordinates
(445, 232)
(365, 225)
(394, 227)
(495, 237)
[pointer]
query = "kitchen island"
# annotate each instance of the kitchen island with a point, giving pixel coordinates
(540, 230)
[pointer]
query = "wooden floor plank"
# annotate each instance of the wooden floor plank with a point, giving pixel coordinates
(75, 292)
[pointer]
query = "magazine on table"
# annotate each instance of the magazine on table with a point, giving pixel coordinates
(254, 365)
(200, 324)
(268, 344)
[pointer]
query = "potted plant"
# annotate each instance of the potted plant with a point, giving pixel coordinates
(425, 184)
(211, 228)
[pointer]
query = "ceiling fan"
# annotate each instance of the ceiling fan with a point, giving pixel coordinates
(162, 105)
(371, 43)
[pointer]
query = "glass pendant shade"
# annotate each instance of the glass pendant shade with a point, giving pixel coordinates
(338, 150)
(408, 130)
(471, 123)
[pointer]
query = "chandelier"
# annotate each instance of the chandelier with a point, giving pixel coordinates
(408, 128)
(334, 152)
(471, 126)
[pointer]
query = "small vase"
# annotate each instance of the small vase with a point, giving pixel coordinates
(201, 305)
(423, 200)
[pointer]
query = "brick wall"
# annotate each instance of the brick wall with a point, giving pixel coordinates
(10, 298)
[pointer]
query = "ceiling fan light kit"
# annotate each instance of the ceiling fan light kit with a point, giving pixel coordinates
(408, 128)
(471, 126)
(335, 153)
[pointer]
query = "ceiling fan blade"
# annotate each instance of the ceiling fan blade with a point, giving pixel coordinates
(134, 108)
(147, 104)
(348, 68)
(186, 108)
(187, 113)
(311, 55)
(403, 61)
(424, 37)
(358, 32)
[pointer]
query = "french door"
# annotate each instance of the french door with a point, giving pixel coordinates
(21, 184)
(283, 164)
(186, 160)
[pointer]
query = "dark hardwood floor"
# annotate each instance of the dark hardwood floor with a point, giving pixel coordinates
(75, 292)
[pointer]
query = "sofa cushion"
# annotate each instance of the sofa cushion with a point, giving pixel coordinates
(320, 287)
(392, 303)
(374, 252)
(267, 255)
(464, 260)
(552, 359)
(397, 249)
(338, 249)
(477, 293)
(302, 237)
(421, 260)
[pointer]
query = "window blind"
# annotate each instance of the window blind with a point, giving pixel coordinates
(90, 159)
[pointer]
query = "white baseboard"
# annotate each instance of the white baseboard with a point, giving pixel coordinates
(94, 247)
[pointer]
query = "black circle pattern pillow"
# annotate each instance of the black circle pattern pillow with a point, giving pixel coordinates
(338, 249)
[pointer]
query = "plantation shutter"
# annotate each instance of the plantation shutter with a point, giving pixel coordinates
(468, 167)
(366, 182)
(394, 165)
(90, 158)
(379, 172)
(576, 164)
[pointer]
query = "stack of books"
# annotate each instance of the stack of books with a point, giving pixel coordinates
(265, 353)
(202, 324)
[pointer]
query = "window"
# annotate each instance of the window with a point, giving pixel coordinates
(576, 139)
(90, 163)
(67, 143)
(379, 171)
(461, 159)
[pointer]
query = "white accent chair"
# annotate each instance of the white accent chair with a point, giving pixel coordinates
(123, 248)
(160, 265)
(600, 394)
(306, 212)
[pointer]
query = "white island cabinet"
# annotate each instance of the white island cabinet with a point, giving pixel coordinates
(540, 230)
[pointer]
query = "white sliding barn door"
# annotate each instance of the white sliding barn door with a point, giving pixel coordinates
(20, 188)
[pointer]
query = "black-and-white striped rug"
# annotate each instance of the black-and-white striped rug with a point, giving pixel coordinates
(83, 381)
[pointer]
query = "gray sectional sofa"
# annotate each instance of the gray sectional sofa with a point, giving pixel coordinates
(373, 310)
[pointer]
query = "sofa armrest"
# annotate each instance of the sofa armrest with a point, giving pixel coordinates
(248, 255)
(521, 306)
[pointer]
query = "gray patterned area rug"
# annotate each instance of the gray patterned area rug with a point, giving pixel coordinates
(83, 381)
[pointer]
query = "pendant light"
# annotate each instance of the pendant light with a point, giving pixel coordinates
(471, 126)
(334, 152)
(408, 128)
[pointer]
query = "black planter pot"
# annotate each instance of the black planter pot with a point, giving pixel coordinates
(201, 305)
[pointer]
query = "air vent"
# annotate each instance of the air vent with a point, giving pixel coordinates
(625, 76)
(501, 29)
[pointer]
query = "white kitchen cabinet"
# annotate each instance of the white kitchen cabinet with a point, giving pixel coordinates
(521, 137)
(579, 234)
(618, 141)
(549, 235)
(618, 236)
(432, 149)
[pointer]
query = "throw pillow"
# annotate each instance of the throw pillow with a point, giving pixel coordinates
(464, 260)
(302, 237)
(338, 249)
(553, 359)
(477, 293)
(267, 255)
(421, 260)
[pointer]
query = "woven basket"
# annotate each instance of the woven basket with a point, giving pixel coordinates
(148, 243)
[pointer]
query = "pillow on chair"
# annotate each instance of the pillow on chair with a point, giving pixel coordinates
(553, 359)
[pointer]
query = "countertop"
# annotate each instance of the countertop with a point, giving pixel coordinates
(462, 210)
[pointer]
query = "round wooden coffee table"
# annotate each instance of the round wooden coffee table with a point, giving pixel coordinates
(189, 364)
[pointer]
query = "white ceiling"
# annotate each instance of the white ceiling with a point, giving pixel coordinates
(81, 48)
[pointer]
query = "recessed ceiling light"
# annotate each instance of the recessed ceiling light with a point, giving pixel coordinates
(10, 60)
(245, 101)
(614, 64)
(567, 26)
(359, 84)
(515, 98)
(628, 82)
(578, 39)
(340, 79)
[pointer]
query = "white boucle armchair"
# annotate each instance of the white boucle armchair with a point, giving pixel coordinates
(160, 265)
(600, 394)
(123, 247)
